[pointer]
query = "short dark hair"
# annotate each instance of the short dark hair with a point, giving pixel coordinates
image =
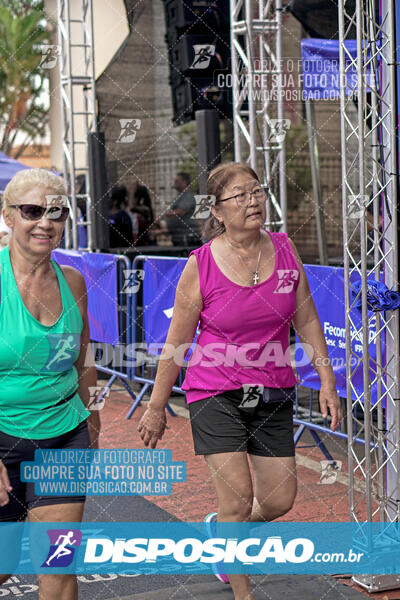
(185, 176)
(119, 194)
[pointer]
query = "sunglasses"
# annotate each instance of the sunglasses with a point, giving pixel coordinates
(34, 212)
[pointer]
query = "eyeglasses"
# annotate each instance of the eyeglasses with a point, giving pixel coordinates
(243, 198)
(34, 212)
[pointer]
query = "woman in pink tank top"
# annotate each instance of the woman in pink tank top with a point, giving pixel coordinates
(244, 287)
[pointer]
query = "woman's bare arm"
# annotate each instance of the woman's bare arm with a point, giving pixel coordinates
(308, 328)
(85, 365)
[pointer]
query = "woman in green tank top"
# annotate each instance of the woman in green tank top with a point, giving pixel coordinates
(46, 367)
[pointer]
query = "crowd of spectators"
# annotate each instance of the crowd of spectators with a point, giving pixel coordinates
(132, 221)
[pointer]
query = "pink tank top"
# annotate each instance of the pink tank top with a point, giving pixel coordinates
(243, 331)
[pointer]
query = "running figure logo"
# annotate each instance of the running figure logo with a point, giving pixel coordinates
(132, 280)
(129, 129)
(329, 471)
(203, 206)
(251, 395)
(203, 54)
(278, 131)
(64, 350)
(287, 279)
(63, 543)
(50, 54)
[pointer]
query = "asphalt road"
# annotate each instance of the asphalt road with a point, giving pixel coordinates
(175, 587)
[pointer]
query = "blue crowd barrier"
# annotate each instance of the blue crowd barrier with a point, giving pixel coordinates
(109, 310)
(327, 289)
(100, 273)
(139, 297)
(159, 294)
(115, 354)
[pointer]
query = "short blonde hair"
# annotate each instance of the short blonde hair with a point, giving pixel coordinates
(29, 178)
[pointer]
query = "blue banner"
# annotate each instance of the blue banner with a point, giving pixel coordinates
(252, 548)
(100, 273)
(8, 168)
(327, 290)
(321, 71)
(161, 277)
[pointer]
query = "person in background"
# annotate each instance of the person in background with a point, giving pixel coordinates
(142, 207)
(180, 224)
(80, 192)
(120, 224)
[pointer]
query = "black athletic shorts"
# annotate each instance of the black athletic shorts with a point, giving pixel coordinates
(222, 424)
(14, 450)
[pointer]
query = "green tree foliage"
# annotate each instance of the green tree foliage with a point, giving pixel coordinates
(23, 32)
(21, 9)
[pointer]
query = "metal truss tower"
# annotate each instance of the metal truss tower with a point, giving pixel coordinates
(369, 178)
(78, 107)
(258, 104)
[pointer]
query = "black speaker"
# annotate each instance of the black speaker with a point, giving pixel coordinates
(98, 190)
(191, 95)
(198, 43)
(212, 14)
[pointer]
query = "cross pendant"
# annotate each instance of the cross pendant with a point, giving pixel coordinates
(256, 277)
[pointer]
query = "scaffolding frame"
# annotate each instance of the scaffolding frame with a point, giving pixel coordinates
(369, 193)
(259, 123)
(78, 108)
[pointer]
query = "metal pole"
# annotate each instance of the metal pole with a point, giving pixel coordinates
(208, 144)
(257, 119)
(252, 119)
(316, 182)
(235, 7)
(281, 116)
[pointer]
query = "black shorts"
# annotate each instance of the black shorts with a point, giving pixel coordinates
(14, 450)
(219, 425)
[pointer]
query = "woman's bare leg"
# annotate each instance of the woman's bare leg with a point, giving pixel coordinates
(232, 479)
(57, 587)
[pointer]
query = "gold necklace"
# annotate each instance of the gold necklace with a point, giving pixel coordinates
(255, 274)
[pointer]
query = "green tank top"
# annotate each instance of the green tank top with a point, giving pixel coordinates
(37, 369)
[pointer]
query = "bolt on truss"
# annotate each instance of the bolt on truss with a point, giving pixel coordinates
(258, 104)
(369, 191)
(78, 109)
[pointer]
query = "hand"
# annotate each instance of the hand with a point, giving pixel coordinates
(152, 426)
(328, 399)
(5, 487)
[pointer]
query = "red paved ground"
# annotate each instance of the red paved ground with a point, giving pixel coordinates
(192, 500)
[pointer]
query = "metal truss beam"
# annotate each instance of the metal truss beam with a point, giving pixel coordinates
(258, 104)
(369, 191)
(78, 106)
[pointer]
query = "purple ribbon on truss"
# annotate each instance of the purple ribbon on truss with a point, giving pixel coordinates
(379, 296)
